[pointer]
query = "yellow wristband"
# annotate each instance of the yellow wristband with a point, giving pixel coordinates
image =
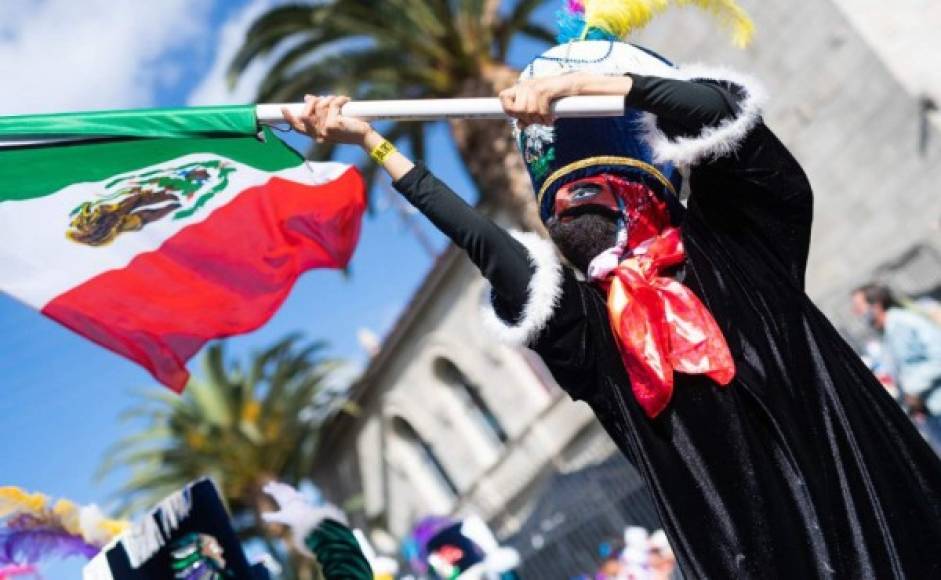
(382, 151)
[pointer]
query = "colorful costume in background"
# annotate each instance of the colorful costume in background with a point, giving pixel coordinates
(34, 529)
(322, 532)
(769, 448)
(187, 536)
(446, 549)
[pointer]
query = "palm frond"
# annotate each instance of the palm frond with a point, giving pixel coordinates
(214, 365)
(208, 403)
(157, 396)
(231, 425)
(287, 62)
(145, 411)
(388, 26)
(270, 30)
(351, 73)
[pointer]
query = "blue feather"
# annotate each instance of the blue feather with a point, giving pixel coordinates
(33, 545)
(572, 27)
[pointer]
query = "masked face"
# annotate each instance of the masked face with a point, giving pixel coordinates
(611, 197)
(591, 194)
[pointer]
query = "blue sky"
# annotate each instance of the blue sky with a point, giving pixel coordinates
(60, 395)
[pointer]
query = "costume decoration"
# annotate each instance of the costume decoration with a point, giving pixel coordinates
(460, 550)
(35, 529)
(574, 148)
(187, 536)
(320, 531)
(616, 19)
(197, 557)
(660, 325)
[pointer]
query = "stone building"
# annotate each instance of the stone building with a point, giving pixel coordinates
(452, 421)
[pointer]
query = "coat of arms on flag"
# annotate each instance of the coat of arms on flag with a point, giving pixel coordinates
(129, 202)
(154, 232)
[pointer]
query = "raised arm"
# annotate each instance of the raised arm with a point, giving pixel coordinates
(681, 107)
(501, 258)
(744, 182)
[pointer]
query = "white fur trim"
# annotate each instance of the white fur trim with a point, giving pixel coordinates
(145, 538)
(713, 142)
(545, 288)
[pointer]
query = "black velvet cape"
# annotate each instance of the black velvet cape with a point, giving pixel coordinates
(803, 467)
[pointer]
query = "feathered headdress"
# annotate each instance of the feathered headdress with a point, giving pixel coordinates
(32, 528)
(616, 19)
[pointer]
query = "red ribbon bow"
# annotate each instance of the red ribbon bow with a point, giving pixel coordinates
(661, 326)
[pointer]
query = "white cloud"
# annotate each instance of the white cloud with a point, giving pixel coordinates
(214, 90)
(63, 55)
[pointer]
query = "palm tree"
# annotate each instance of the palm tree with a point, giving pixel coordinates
(406, 49)
(243, 428)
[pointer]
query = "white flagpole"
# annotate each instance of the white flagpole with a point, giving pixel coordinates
(437, 109)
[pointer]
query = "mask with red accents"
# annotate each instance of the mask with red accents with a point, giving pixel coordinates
(641, 214)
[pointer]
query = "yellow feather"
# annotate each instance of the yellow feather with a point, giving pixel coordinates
(622, 17)
(68, 515)
(731, 16)
(114, 527)
(15, 500)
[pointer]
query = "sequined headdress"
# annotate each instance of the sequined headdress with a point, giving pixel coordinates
(591, 33)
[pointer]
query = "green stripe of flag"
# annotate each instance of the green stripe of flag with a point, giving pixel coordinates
(191, 122)
(38, 171)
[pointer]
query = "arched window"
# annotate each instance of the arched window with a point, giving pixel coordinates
(448, 372)
(407, 433)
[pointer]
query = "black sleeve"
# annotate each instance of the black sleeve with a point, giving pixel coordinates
(756, 192)
(682, 108)
(500, 258)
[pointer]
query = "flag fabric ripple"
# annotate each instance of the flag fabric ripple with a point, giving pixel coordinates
(153, 238)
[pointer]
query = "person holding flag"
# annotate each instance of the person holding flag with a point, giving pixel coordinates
(770, 450)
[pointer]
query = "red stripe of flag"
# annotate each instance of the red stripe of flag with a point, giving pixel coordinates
(223, 276)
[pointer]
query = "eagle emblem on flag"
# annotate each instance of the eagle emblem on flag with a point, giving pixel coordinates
(130, 202)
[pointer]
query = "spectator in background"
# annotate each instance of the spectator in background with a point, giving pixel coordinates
(913, 341)
(662, 561)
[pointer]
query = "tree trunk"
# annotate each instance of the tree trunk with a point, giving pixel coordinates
(491, 156)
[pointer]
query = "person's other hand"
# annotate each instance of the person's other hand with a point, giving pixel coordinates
(530, 100)
(322, 120)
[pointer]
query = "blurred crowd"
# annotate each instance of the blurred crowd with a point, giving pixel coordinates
(904, 352)
(640, 555)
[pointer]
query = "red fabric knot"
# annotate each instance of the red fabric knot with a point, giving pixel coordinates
(660, 325)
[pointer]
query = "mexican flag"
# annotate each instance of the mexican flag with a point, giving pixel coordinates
(153, 232)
